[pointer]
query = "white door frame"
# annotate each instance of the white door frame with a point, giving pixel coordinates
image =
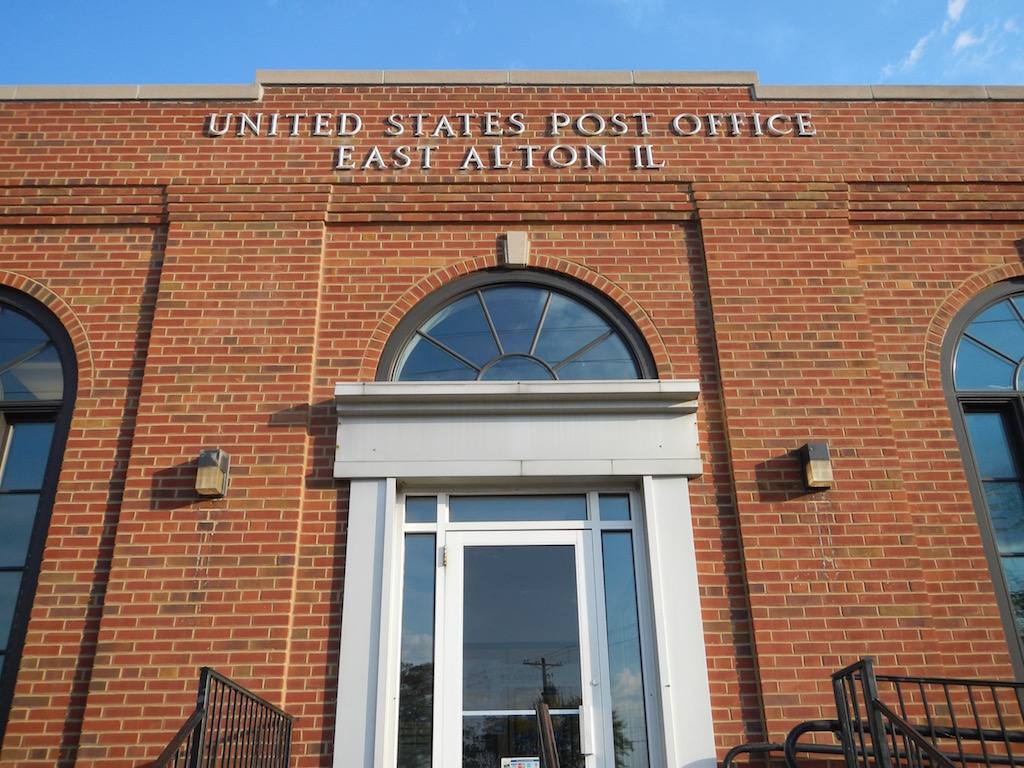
(575, 432)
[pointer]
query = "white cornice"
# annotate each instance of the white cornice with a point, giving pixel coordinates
(546, 429)
(534, 78)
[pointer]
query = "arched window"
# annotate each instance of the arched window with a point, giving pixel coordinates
(515, 326)
(983, 362)
(37, 389)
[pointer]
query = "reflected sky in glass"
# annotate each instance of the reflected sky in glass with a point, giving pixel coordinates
(990, 445)
(1000, 327)
(26, 456)
(628, 711)
(521, 639)
(17, 516)
(515, 332)
(10, 583)
(29, 365)
(416, 693)
(991, 348)
(494, 509)
(1000, 477)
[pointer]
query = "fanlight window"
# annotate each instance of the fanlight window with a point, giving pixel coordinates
(29, 366)
(516, 332)
(991, 350)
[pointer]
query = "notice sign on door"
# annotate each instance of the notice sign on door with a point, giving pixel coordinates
(520, 762)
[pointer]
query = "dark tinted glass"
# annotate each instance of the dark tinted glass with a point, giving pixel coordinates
(17, 516)
(623, 619)
(1013, 569)
(10, 583)
(990, 440)
(515, 332)
(517, 368)
(494, 509)
(516, 312)
(416, 694)
(608, 359)
(421, 509)
(991, 348)
(424, 361)
(990, 443)
(26, 456)
(614, 506)
(463, 327)
(521, 640)
(568, 328)
(999, 327)
(29, 365)
(979, 368)
(1006, 508)
(31, 373)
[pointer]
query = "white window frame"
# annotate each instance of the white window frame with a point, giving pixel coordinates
(517, 434)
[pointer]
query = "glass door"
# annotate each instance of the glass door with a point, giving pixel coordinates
(522, 633)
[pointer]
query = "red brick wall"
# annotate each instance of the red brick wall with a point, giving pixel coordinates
(217, 288)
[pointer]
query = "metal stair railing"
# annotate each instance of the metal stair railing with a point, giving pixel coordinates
(969, 722)
(230, 728)
(898, 721)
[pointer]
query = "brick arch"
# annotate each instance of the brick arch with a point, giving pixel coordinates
(943, 317)
(67, 317)
(419, 291)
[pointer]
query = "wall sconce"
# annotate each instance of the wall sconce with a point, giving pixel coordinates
(212, 475)
(816, 466)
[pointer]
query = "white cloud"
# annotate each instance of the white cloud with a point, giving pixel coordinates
(954, 9)
(627, 685)
(984, 52)
(916, 52)
(910, 60)
(966, 40)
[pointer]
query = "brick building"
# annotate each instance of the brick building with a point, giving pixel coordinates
(513, 371)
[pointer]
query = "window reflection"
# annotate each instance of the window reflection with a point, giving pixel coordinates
(416, 694)
(519, 602)
(523, 508)
(29, 366)
(515, 332)
(521, 631)
(26, 448)
(629, 719)
(32, 386)
(989, 354)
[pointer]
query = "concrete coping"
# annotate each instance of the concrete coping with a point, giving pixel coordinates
(625, 78)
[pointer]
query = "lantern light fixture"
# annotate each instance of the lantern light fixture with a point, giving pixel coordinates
(212, 473)
(816, 466)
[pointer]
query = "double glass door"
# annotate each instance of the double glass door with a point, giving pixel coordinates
(521, 629)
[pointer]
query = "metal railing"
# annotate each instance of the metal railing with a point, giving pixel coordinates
(897, 721)
(230, 728)
(968, 722)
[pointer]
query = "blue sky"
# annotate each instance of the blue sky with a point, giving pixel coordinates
(787, 42)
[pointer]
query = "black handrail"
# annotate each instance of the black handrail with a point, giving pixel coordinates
(898, 721)
(230, 728)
